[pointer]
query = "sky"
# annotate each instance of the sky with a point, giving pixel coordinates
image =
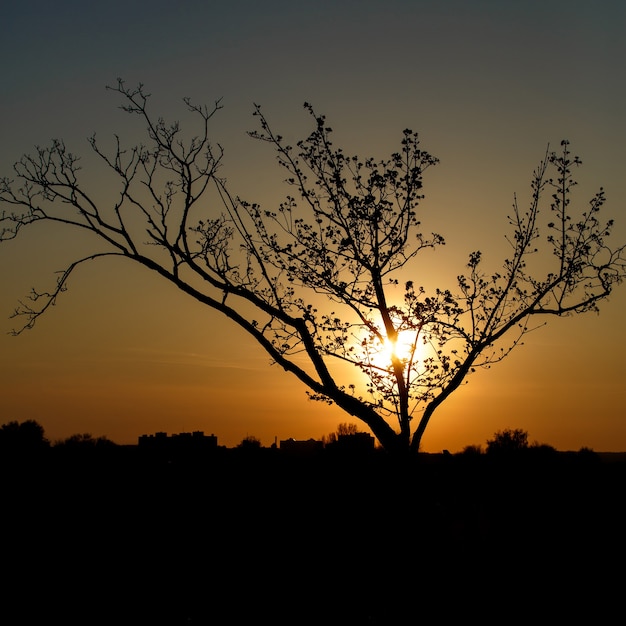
(487, 84)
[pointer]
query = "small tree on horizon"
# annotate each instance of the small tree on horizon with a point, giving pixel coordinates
(344, 429)
(22, 437)
(508, 441)
(85, 441)
(320, 280)
(250, 442)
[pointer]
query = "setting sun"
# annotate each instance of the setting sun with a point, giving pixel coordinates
(408, 347)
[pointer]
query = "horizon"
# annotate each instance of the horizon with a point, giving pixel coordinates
(276, 443)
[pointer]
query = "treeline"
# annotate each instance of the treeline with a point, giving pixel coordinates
(27, 438)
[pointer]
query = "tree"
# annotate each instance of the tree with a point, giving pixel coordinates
(18, 438)
(348, 439)
(85, 442)
(345, 429)
(250, 442)
(508, 441)
(323, 270)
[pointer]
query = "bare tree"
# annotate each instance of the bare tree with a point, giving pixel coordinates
(321, 271)
(346, 429)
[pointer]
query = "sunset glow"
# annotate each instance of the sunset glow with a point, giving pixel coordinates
(122, 354)
(409, 348)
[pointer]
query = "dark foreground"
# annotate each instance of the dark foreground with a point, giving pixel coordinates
(264, 539)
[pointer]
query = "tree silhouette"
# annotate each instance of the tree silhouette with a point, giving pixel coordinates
(85, 442)
(19, 438)
(346, 429)
(323, 272)
(249, 442)
(508, 441)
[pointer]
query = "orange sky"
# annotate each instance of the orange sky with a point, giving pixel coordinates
(487, 87)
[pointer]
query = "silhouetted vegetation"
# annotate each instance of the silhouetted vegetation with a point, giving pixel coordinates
(508, 441)
(250, 442)
(235, 538)
(84, 442)
(19, 439)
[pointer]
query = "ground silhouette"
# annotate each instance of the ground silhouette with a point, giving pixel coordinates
(254, 536)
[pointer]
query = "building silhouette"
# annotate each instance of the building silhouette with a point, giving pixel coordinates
(176, 445)
(308, 447)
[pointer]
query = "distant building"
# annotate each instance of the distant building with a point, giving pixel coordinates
(181, 443)
(309, 447)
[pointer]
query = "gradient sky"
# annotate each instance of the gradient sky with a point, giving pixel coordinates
(488, 84)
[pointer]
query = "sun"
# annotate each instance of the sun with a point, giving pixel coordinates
(408, 347)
